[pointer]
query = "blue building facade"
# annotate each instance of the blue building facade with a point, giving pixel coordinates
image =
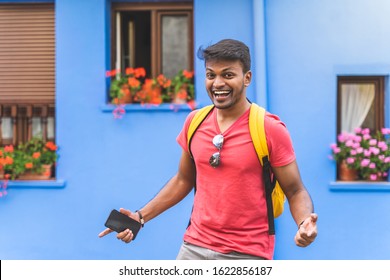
(299, 47)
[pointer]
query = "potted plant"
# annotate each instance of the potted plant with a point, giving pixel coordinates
(183, 87)
(344, 153)
(38, 158)
(133, 84)
(365, 153)
(13, 162)
(32, 160)
(375, 158)
(152, 91)
(124, 85)
(7, 163)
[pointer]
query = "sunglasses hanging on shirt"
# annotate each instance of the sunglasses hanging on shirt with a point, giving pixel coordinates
(215, 159)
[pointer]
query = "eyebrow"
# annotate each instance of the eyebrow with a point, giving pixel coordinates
(223, 70)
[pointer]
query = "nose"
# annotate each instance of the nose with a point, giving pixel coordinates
(218, 82)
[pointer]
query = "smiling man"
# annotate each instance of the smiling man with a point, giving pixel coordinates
(229, 218)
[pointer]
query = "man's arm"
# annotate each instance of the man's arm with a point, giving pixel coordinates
(173, 192)
(300, 202)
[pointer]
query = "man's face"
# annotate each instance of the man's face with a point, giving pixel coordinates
(226, 83)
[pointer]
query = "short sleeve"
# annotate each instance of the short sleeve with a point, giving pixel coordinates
(182, 137)
(279, 142)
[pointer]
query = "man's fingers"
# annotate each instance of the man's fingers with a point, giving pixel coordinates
(125, 211)
(105, 232)
(125, 236)
(314, 217)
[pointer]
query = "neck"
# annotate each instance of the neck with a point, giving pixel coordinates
(233, 112)
(226, 117)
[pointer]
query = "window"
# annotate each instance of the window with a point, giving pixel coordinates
(155, 36)
(360, 103)
(27, 71)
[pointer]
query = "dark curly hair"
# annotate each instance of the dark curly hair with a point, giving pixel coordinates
(227, 49)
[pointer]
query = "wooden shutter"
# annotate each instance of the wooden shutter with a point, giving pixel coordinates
(27, 53)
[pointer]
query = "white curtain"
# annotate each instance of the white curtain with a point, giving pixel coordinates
(37, 128)
(6, 128)
(356, 101)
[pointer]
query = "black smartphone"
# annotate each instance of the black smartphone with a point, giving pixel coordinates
(119, 222)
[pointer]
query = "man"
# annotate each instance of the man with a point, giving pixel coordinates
(229, 218)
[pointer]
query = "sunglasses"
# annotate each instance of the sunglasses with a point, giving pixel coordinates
(215, 159)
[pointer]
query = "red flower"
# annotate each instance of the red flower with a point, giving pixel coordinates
(112, 73)
(9, 149)
(163, 81)
(188, 74)
(133, 82)
(36, 155)
(8, 160)
(182, 94)
(129, 71)
(139, 72)
(191, 104)
(29, 165)
(51, 146)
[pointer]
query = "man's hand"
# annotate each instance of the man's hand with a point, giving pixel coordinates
(307, 231)
(126, 235)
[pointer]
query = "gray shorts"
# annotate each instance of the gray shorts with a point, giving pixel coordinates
(192, 252)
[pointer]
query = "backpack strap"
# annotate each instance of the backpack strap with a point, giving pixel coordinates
(199, 117)
(257, 131)
(196, 121)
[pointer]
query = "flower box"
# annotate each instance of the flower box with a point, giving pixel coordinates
(368, 154)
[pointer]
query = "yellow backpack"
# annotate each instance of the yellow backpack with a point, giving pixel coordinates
(274, 193)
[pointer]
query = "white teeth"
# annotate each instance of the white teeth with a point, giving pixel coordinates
(221, 92)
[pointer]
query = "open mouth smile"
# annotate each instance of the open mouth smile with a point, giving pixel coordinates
(221, 94)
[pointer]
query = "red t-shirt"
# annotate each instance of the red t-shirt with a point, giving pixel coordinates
(230, 212)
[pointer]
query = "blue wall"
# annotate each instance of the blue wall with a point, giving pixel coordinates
(309, 43)
(109, 163)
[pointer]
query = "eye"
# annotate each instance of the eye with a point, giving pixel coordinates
(229, 75)
(210, 75)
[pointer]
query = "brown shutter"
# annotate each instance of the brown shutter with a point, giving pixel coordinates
(27, 53)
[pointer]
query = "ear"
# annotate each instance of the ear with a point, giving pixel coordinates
(247, 78)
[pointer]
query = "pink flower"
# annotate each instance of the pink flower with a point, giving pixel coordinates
(373, 142)
(385, 131)
(374, 150)
(366, 136)
(358, 130)
(341, 138)
(357, 138)
(349, 143)
(373, 177)
(367, 153)
(118, 112)
(336, 150)
(350, 160)
(366, 131)
(356, 145)
(372, 165)
(365, 162)
(359, 150)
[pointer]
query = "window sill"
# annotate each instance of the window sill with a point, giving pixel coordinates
(44, 184)
(109, 108)
(359, 186)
